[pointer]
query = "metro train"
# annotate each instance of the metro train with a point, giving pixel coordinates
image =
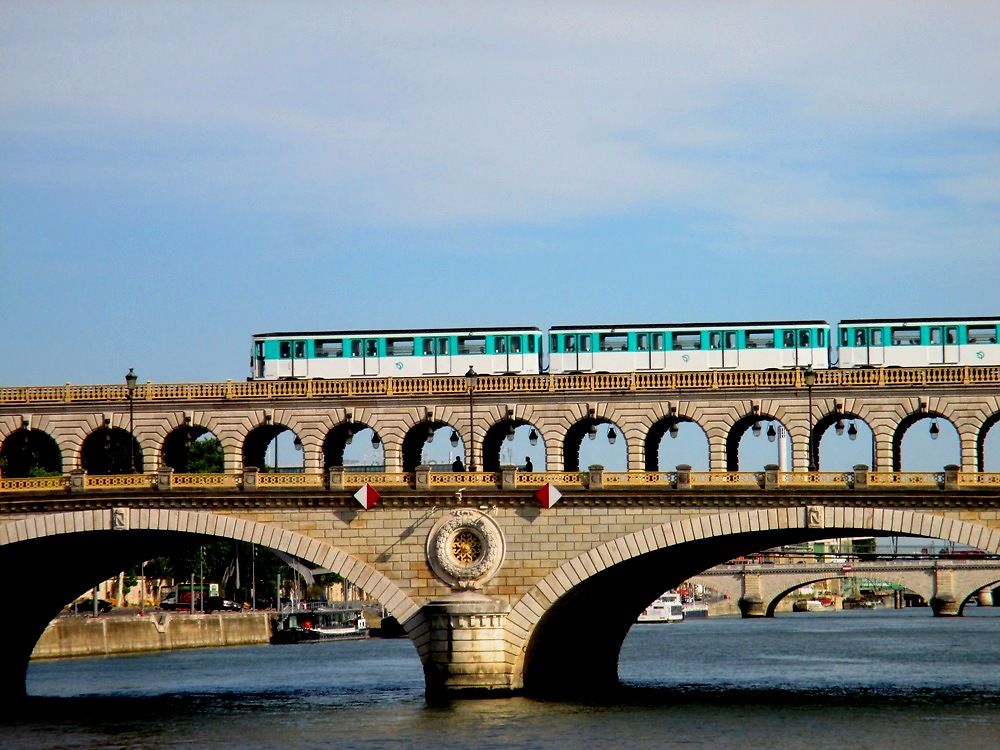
(874, 342)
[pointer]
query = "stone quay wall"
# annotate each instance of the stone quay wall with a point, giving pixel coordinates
(106, 636)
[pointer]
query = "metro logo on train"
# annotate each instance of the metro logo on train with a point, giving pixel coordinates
(665, 347)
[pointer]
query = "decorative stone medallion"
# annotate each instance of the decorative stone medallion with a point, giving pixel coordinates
(465, 549)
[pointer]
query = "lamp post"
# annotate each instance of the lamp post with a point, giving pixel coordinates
(130, 380)
(809, 378)
(471, 380)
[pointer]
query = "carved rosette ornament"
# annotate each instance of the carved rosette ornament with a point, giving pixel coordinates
(465, 549)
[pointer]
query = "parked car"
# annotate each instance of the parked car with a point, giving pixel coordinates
(86, 606)
(217, 603)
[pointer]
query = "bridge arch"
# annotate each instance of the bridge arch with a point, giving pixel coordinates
(104, 541)
(588, 604)
(844, 423)
(27, 451)
(586, 428)
(751, 422)
(984, 431)
(922, 413)
(669, 424)
(111, 450)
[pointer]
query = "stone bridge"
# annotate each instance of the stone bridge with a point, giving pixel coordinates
(498, 593)
(945, 584)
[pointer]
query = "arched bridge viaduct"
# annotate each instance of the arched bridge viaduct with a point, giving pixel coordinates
(945, 584)
(497, 592)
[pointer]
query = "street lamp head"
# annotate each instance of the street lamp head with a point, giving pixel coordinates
(674, 430)
(809, 377)
(935, 430)
(533, 437)
(772, 434)
(839, 427)
(852, 431)
(756, 429)
(592, 431)
(376, 440)
(612, 435)
(454, 439)
(131, 379)
(471, 378)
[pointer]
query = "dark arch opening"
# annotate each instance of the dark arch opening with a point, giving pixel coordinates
(575, 435)
(493, 441)
(654, 439)
(843, 424)
(771, 432)
(415, 439)
(256, 443)
(193, 449)
(30, 453)
(344, 434)
(981, 441)
(110, 450)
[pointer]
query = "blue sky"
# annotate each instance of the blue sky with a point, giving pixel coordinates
(175, 177)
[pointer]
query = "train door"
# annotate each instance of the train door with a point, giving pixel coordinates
(943, 345)
(722, 349)
(650, 351)
(577, 352)
(508, 355)
(364, 357)
(876, 347)
(292, 362)
(436, 355)
(803, 348)
(258, 359)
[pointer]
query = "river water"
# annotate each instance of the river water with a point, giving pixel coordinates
(883, 680)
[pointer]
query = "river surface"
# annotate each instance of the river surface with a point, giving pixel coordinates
(812, 681)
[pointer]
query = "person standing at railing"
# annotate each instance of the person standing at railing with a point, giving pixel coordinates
(527, 464)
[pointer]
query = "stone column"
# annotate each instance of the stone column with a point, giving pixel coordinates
(596, 479)
(752, 604)
(771, 477)
(984, 597)
(683, 476)
(860, 477)
(944, 603)
(164, 479)
(466, 649)
(717, 452)
(951, 477)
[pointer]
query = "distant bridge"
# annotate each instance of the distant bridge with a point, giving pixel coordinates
(945, 584)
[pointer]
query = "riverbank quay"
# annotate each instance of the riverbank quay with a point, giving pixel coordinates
(155, 631)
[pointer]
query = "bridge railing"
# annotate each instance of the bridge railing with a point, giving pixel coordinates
(270, 390)
(616, 481)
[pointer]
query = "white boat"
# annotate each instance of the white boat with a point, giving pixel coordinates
(322, 623)
(808, 605)
(695, 610)
(666, 608)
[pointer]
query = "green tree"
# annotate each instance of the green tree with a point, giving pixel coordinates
(205, 457)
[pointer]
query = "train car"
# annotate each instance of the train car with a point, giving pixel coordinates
(689, 346)
(918, 342)
(399, 353)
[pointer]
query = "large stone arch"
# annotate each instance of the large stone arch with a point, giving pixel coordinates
(922, 411)
(101, 542)
(587, 605)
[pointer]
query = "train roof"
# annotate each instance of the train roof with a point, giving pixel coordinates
(398, 332)
(921, 321)
(698, 326)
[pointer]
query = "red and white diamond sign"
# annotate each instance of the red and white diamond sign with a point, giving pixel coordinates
(548, 495)
(367, 496)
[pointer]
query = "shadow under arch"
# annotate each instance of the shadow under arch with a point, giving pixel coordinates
(100, 550)
(256, 442)
(494, 438)
(568, 614)
(736, 433)
(655, 436)
(905, 424)
(415, 439)
(177, 447)
(575, 436)
(27, 451)
(984, 433)
(110, 450)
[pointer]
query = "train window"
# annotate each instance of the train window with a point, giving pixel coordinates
(658, 342)
(285, 350)
(553, 343)
(982, 335)
(804, 339)
(935, 336)
(820, 337)
(687, 341)
(611, 342)
(789, 339)
(951, 335)
(531, 344)
(585, 343)
(860, 337)
(641, 342)
(428, 347)
(760, 339)
(715, 340)
(471, 345)
(399, 347)
(569, 343)
(259, 349)
(876, 336)
(330, 348)
(356, 348)
(905, 336)
(731, 340)
(372, 350)
(300, 349)
(515, 344)
(500, 344)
